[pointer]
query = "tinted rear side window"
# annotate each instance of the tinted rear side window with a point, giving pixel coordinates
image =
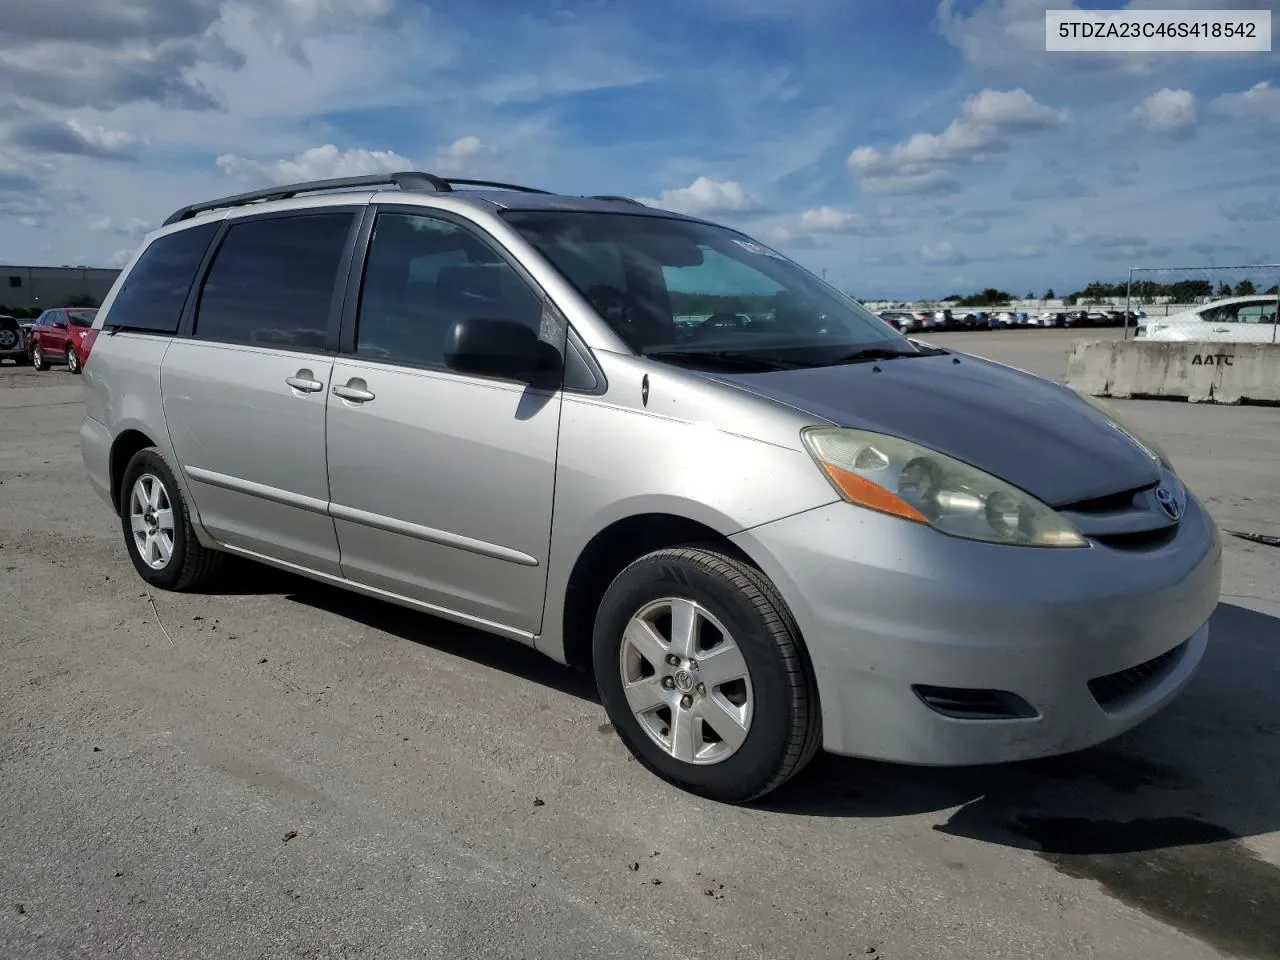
(272, 281)
(155, 290)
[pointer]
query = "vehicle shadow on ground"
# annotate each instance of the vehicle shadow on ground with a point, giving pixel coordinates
(244, 578)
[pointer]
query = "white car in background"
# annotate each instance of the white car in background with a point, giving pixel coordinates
(1234, 320)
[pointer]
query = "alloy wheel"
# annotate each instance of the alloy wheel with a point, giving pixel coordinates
(686, 681)
(151, 520)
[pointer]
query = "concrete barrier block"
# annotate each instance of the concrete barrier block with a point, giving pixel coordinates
(1197, 371)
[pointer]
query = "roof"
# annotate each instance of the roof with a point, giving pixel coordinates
(504, 196)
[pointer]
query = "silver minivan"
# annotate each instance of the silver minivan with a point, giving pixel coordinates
(656, 448)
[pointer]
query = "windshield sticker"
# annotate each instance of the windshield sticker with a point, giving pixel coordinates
(757, 249)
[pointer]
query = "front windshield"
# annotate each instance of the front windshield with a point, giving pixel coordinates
(675, 288)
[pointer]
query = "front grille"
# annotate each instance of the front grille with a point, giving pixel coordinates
(1110, 503)
(963, 703)
(1139, 540)
(1114, 688)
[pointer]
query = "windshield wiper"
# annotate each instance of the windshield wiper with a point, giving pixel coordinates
(724, 356)
(883, 353)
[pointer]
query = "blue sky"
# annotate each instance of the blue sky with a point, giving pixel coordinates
(907, 147)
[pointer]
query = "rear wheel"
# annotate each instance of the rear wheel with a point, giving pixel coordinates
(38, 358)
(157, 527)
(73, 360)
(701, 669)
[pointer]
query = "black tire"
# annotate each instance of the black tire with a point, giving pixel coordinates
(38, 359)
(73, 360)
(191, 563)
(785, 732)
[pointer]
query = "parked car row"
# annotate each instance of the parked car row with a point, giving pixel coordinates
(916, 321)
(55, 338)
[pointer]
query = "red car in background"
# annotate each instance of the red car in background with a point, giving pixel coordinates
(59, 337)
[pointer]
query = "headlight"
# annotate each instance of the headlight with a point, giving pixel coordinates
(915, 483)
(1146, 444)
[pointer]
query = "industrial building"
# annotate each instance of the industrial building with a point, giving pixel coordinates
(38, 288)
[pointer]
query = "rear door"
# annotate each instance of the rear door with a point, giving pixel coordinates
(1255, 322)
(442, 483)
(245, 388)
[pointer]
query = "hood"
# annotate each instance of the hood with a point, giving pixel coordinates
(1032, 433)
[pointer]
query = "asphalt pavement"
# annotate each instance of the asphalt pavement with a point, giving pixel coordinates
(277, 769)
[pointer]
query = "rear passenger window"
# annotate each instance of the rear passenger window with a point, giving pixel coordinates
(422, 276)
(272, 281)
(153, 293)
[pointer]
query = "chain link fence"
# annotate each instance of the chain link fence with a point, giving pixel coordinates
(1232, 304)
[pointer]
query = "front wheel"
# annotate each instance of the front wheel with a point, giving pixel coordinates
(73, 360)
(157, 527)
(38, 359)
(703, 674)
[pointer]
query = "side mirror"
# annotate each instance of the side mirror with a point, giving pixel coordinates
(498, 348)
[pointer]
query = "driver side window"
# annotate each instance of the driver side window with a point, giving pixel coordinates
(424, 274)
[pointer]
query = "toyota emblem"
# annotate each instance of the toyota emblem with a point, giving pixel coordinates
(1168, 503)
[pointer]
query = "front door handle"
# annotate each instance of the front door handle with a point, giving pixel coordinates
(1221, 330)
(305, 381)
(354, 390)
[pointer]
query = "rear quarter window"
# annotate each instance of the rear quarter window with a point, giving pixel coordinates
(156, 289)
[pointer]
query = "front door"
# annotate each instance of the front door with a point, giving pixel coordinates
(52, 336)
(441, 484)
(244, 396)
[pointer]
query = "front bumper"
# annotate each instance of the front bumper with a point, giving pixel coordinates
(886, 605)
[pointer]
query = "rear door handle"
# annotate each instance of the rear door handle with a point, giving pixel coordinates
(1221, 330)
(353, 390)
(305, 381)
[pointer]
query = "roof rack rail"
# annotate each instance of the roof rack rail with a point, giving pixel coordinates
(408, 180)
(495, 184)
(606, 196)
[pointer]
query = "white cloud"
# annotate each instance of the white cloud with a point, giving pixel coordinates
(1012, 111)
(831, 220)
(1029, 251)
(943, 253)
(1260, 104)
(132, 227)
(111, 141)
(987, 118)
(466, 155)
(784, 237)
(931, 182)
(706, 197)
(45, 136)
(66, 53)
(318, 163)
(961, 141)
(1168, 112)
(1100, 239)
